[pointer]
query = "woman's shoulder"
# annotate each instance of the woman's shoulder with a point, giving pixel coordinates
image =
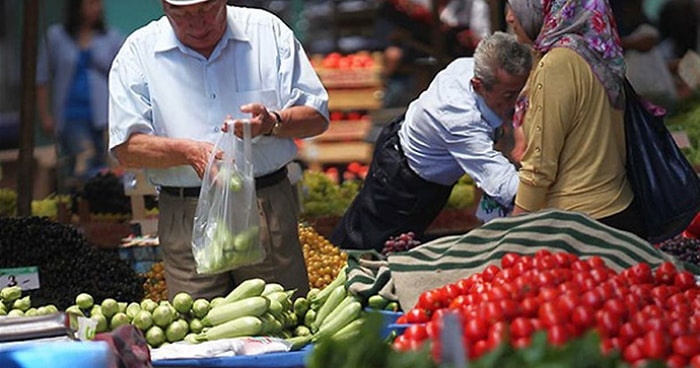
(562, 55)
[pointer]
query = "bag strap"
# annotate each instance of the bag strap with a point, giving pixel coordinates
(247, 148)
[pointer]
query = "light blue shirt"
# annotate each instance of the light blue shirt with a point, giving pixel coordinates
(449, 131)
(57, 61)
(161, 87)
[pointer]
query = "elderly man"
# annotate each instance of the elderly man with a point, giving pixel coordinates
(172, 85)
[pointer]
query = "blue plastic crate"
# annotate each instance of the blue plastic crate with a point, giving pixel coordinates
(292, 359)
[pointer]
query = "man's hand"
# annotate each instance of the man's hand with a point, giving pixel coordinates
(261, 121)
(198, 155)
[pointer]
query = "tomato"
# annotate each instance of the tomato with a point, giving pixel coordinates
(550, 314)
(490, 272)
(403, 319)
(496, 334)
(583, 317)
(545, 278)
(432, 329)
(465, 285)
(629, 332)
(542, 252)
(521, 327)
(655, 324)
(617, 307)
(507, 274)
(599, 275)
(492, 312)
(695, 361)
(547, 293)
(511, 308)
(529, 307)
(562, 260)
(608, 323)
(633, 353)
(679, 328)
(509, 260)
(656, 345)
(417, 315)
(686, 346)
(452, 291)
(403, 343)
(458, 302)
(524, 262)
(478, 349)
(416, 332)
(580, 266)
(557, 335)
(567, 302)
(684, 280)
(676, 361)
(521, 342)
(641, 273)
(596, 262)
(432, 299)
(593, 299)
(476, 329)
(546, 262)
(660, 294)
(497, 293)
(665, 273)
(653, 311)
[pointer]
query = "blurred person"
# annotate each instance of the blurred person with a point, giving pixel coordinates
(572, 113)
(172, 85)
(408, 26)
(72, 94)
(647, 69)
(449, 130)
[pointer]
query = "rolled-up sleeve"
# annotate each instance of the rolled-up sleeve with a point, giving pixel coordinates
(551, 110)
(489, 169)
(129, 101)
(299, 83)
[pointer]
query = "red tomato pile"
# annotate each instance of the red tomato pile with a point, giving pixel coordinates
(644, 314)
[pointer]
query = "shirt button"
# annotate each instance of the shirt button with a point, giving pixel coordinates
(539, 107)
(213, 96)
(537, 149)
(539, 86)
(538, 128)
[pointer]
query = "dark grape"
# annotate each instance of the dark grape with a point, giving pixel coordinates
(687, 249)
(400, 243)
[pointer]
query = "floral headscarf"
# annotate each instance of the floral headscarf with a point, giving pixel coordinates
(585, 26)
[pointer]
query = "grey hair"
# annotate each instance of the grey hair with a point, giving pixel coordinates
(500, 50)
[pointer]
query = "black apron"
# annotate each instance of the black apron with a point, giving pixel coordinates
(393, 199)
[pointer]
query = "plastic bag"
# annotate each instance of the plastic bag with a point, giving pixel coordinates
(226, 222)
(665, 185)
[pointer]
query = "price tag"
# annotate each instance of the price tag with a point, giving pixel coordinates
(87, 328)
(25, 277)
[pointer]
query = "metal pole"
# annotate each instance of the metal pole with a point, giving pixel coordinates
(25, 177)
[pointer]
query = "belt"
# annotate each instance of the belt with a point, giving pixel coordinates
(261, 182)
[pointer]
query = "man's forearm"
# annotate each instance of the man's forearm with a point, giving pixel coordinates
(301, 122)
(147, 151)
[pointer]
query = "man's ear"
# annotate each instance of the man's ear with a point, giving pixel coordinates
(477, 84)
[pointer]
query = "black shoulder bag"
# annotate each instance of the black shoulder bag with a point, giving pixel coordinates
(665, 184)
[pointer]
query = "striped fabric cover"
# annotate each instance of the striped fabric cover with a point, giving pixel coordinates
(451, 258)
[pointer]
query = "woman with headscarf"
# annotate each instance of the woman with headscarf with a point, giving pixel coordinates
(572, 112)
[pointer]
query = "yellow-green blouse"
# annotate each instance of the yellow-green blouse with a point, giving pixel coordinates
(575, 157)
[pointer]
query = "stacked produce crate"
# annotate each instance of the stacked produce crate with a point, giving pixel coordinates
(354, 89)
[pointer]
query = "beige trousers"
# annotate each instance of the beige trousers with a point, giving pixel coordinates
(284, 263)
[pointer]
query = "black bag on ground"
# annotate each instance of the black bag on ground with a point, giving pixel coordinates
(665, 184)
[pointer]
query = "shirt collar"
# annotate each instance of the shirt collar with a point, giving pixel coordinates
(167, 40)
(487, 114)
